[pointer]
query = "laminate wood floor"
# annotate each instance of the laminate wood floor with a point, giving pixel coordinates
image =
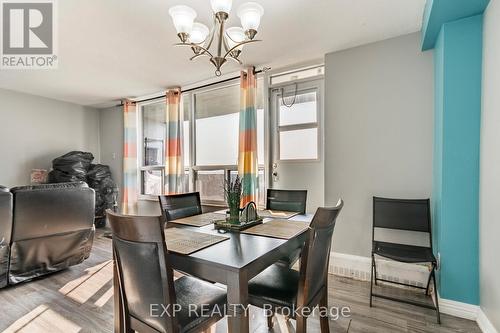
(80, 299)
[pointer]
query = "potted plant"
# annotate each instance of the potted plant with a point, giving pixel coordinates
(232, 193)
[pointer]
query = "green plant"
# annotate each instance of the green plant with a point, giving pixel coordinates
(232, 194)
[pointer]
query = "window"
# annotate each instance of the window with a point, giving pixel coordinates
(152, 148)
(217, 136)
(298, 126)
(211, 136)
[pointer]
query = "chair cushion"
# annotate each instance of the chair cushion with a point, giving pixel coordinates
(277, 285)
(404, 253)
(195, 292)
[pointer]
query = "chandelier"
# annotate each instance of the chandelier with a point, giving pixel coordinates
(228, 42)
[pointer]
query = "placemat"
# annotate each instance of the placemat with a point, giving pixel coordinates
(284, 229)
(277, 214)
(198, 220)
(186, 241)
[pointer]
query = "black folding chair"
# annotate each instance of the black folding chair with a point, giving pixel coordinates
(407, 215)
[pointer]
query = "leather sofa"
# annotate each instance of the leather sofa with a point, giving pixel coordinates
(5, 233)
(44, 229)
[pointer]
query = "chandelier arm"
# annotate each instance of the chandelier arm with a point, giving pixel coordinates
(212, 34)
(199, 55)
(226, 47)
(239, 44)
(221, 38)
(193, 44)
(237, 60)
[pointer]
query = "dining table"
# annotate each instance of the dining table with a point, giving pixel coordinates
(233, 263)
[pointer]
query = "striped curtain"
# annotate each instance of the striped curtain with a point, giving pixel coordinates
(174, 158)
(130, 193)
(247, 154)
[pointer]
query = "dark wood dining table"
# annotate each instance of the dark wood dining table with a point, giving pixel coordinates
(234, 262)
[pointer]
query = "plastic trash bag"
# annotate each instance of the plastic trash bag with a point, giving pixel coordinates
(72, 166)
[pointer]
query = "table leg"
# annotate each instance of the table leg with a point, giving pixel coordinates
(237, 300)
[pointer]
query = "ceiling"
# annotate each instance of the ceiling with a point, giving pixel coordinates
(110, 49)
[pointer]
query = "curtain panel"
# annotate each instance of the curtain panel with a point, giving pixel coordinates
(247, 153)
(130, 181)
(174, 155)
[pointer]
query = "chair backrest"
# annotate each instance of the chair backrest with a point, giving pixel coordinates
(144, 273)
(315, 256)
(177, 206)
(50, 209)
(288, 200)
(402, 214)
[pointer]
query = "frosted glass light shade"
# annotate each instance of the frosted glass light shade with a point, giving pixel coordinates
(199, 33)
(234, 36)
(221, 6)
(250, 14)
(183, 17)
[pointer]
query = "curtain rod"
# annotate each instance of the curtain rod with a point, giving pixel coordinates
(263, 70)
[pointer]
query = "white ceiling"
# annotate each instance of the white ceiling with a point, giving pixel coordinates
(110, 49)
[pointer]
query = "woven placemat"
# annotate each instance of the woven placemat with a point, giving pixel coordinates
(200, 220)
(283, 229)
(277, 214)
(186, 241)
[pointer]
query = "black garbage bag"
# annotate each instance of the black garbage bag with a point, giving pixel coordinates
(106, 191)
(72, 166)
(56, 176)
(97, 174)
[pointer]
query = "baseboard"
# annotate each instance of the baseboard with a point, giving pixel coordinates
(458, 309)
(359, 268)
(484, 323)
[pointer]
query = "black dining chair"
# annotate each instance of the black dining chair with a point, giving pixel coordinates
(410, 215)
(146, 284)
(291, 201)
(287, 200)
(177, 206)
(283, 289)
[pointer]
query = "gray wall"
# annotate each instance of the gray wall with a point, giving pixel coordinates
(36, 130)
(489, 225)
(111, 135)
(378, 132)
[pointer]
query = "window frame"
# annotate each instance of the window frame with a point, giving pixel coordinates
(276, 94)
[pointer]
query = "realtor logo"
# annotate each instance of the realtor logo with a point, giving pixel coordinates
(28, 34)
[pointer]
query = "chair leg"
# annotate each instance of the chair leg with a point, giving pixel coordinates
(436, 296)
(270, 322)
(374, 269)
(301, 324)
(323, 320)
(371, 281)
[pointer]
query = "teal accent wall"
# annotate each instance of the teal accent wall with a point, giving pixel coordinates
(458, 73)
(438, 12)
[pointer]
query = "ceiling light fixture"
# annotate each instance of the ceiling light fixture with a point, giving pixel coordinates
(230, 41)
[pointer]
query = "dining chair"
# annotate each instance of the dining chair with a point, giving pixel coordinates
(292, 201)
(280, 289)
(177, 206)
(409, 215)
(287, 200)
(150, 300)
